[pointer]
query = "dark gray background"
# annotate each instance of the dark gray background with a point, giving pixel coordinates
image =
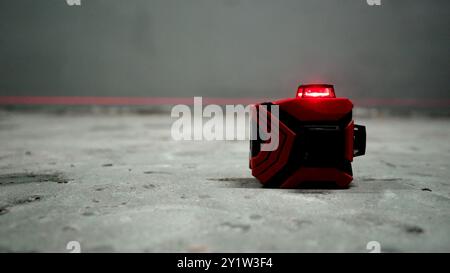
(226, 48)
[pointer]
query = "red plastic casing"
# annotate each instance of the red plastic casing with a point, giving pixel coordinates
(299, 119)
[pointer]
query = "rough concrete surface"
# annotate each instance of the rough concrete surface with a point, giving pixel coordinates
(120, 183)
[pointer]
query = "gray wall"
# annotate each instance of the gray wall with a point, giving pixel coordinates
(224, 48)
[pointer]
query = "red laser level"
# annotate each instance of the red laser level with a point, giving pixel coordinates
(317, 140)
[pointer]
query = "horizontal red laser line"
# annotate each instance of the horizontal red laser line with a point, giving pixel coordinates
(63, 100)
(89, 100)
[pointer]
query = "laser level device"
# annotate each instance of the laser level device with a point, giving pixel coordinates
(318, 140)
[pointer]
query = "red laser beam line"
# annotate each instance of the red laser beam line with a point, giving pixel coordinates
(97, 100)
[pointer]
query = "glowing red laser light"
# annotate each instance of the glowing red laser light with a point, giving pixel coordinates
(315, 91)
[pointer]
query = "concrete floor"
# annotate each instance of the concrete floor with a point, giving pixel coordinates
(119, 183)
